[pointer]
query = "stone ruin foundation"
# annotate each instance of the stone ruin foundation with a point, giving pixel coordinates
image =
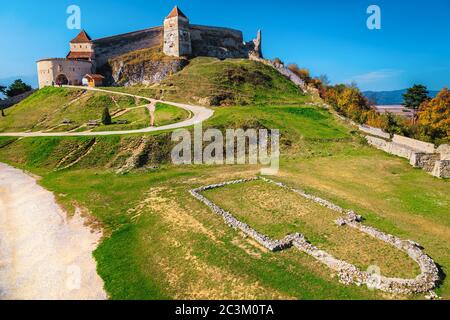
(348, 273)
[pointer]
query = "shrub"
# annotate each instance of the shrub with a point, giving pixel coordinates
(106, 117)
(301, 73)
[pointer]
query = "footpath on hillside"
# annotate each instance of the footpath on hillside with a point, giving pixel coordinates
(199, 114)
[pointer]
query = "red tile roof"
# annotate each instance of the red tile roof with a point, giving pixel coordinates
(95, 76)
(80, 55)
(176, 12)
(82, 37)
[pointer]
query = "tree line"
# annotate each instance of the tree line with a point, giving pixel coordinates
(430, 116)
(15, 88)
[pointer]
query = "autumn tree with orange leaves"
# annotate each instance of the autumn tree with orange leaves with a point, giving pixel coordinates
(434, 117)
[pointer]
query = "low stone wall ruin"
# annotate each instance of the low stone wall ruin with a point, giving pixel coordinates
(414, 144)
(435, 161)
(348, 273)
(374, 132)
(7, 103)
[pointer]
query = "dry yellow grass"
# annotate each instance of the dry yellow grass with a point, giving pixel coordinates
(277, 212)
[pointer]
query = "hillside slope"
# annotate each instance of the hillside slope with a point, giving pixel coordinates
(161, 243)
(54, 109)
(230, 82)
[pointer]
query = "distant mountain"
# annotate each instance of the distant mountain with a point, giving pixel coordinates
(383, 98)
(29, 79)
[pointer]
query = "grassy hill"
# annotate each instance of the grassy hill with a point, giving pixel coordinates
(230, 82)
(161, 243)
(212, 82)
(48, 109)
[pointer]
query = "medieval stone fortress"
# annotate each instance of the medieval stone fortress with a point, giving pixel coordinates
(177, 36)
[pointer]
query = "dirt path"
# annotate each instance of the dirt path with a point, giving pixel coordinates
(43, 254)
(199, 114)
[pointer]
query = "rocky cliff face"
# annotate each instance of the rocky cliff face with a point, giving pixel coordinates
(146, 67)
(145, 72)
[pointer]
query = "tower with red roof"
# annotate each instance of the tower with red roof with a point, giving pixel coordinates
(177, 36)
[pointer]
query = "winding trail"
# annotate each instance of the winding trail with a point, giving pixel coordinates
(199, 114)
(44, 255)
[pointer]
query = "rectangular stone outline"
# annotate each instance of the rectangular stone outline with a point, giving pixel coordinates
(347, 272)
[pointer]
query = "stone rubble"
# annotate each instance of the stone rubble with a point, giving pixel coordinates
(348, 273)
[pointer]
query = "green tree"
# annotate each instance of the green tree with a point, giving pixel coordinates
(106, 117)
(391, 124)
(414, 97)
(16, 88)
(2, 90)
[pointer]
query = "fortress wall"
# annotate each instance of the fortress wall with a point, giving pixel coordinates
(442, 169)
(217, 42)
(15, 100)
(444, 150)
(434, 163)
(374, 132)
(74, 70)
(414, 144)
(111, 47)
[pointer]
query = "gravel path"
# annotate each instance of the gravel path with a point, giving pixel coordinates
(199, 114)
(43, 254)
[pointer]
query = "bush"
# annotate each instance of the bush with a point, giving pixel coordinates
(106, 117)
(278, 61)
(349, 101)
(301, 73)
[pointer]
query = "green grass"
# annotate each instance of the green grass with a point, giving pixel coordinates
(213, 82)
(48, 108)
(137, 119)
(162, 243)
(166, 114)
(230, 82)
(276, 213)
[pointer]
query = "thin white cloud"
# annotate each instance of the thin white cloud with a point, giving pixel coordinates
(375, 76)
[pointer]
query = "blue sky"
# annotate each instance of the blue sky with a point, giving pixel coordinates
(327, 37)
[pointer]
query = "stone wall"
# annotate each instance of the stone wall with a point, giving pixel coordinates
(73, 70)
(426, 161)
(377, 132)
(281, 68)
(441, 169)
(390, 147)
(414, 144)
(111, 47)
(444, 151)
(206, 41)
(15, 100)
(435, 161)
(217, 42)
(348, 273)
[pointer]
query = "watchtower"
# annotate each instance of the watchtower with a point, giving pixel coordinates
(177, 36)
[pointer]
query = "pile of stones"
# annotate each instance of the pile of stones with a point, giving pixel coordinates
(348, 273)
